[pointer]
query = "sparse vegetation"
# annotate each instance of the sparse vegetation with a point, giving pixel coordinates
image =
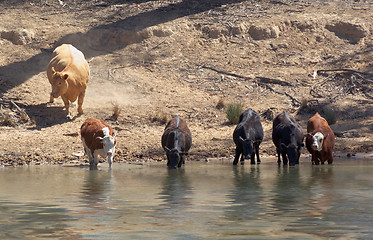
(116, 111)
(303, 103)
(7, 120)
(220, 104)
(233, 112)
(162, 118)
(330, 115)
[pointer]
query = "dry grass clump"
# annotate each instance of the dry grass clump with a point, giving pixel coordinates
(220, 104)
(7, 120)
(303, 103)
(233, 112)
(161, 118)
(116, 111)
(330, 115)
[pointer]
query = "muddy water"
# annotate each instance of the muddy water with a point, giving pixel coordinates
(201, 201)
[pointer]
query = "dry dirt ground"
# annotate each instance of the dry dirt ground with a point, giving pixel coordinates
(157, 59)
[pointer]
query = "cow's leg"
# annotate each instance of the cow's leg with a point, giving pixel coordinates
(315, 159)
(242, 159)
(110, 160)
(90, 158)
(284, 159)
(257, 154)
(330, 158)
(95, 161)
(80, 102)
(237, 156)
(278, 157)
(253, 157)
(67, 106)
(180, 161)
(297, 161)
(51, 99)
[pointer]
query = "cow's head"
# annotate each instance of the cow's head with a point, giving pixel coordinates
(317, 141)
(292, 151)
(247, 147)
(59, 83)
(173, 157)
(108, 143)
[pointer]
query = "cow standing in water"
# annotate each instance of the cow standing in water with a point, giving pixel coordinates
(247, 136)
(287, 135)
(320, 140)
(176, 141)
(68, 74)
(98, 138)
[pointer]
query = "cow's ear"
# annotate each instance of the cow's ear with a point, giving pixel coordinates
(65, 76)
(167, 149)
(283, 147)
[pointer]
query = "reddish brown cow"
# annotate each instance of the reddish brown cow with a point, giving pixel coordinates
(98, 138)
(320, 140)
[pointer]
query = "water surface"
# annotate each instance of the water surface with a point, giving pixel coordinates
(199, 201)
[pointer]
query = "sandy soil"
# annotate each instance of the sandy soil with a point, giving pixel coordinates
(157, 59)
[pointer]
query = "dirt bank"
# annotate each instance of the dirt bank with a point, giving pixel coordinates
(156, 59)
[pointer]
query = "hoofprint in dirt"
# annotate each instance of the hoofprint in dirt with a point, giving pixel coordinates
(158, 59)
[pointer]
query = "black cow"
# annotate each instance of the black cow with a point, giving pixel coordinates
(176, 141)
(247, 136)
(287, 135)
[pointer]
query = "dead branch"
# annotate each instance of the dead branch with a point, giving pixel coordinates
(271, 89)
(312, 90)
(261, 79)
(224, 72)
(274, 81)
(293, 99)
(20, 110)
(344, 70)
(10, 102)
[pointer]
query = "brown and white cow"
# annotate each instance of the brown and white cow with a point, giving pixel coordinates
(98, 138)
(68, 74)
(320, 140)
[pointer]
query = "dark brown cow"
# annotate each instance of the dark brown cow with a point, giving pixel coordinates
(98, 138)
(287, 135)
(320, 140)
(176, 141)
(247, 136)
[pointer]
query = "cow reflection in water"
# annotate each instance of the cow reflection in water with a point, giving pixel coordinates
(288, 191)
(322, 186)
(96, 192)
(246, 196)
(175, 195)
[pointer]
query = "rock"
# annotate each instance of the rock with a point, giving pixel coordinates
(348, 31)
(262, 33)
(18, 37)
(348, 134)
(214, 33)
(162, 32)
(303, 25)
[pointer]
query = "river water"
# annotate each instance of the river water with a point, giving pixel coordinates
(200, 201)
